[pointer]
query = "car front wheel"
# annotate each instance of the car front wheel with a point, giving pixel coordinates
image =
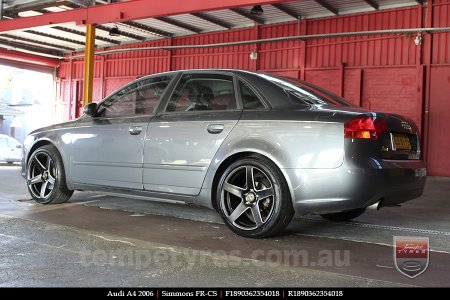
(253, 198)
(46, 179)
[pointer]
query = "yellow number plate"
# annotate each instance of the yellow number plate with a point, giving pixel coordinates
(401, 141)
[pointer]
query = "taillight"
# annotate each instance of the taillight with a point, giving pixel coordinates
(364, 128)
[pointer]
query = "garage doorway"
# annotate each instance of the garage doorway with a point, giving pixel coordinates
(28, 101)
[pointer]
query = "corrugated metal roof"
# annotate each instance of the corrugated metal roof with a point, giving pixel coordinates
(65, 40)
(309, 9)
(351, 6)
(236, 20)
(273, 15)
(196, 22)
(176, 31)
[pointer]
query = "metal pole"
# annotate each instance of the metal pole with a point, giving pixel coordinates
(88, 83)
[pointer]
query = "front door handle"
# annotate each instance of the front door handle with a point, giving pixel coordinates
(135, 130)
(215, 128)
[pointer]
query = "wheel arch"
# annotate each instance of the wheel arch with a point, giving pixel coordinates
(36, 145)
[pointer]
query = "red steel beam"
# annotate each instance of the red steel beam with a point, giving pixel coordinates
(28, 58)
(126, 11)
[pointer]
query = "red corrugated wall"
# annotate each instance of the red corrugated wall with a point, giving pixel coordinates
(437, 102)
(380, 72)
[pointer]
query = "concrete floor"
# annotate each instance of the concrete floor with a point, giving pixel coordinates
(104, 240)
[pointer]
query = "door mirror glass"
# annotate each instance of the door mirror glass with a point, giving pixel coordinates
(90, 109)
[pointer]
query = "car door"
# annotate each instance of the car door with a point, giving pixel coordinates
(3, 148)
(183, 138)
(107, 149)
(14, 149)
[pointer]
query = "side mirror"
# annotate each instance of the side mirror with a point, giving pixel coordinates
(90, 109)
(19, 146)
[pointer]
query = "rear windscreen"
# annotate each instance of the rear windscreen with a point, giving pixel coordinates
(305, 93)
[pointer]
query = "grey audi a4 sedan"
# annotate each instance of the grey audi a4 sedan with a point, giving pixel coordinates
(257, 148)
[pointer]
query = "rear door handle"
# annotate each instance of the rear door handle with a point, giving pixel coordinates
(135, 130)
(215, 128)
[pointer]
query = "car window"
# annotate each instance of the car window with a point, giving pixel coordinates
(249, 99)
(13, 142)
(3, 142)
(305, 93)
(195, 92)
(138, 98)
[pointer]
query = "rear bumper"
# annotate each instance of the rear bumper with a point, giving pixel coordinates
(350, 187)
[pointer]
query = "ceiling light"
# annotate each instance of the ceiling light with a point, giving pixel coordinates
(257, 10)
(114, 31)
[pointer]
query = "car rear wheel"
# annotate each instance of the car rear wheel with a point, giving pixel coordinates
(253, 198)
(46, 179)
(344, 215)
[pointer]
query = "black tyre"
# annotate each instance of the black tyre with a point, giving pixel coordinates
(344, 215)
(46, 179)
(253, 198)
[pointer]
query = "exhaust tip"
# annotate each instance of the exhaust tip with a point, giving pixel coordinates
(377, 205)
